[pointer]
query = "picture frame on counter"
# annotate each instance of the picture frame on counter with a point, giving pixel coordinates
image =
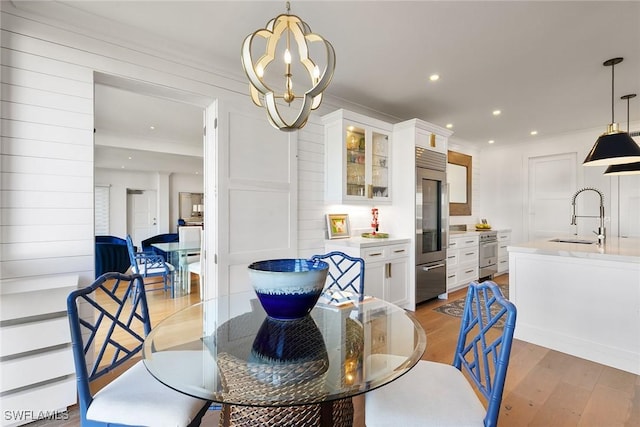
(338, 226)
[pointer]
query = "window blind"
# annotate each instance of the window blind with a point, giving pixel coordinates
(101, 212)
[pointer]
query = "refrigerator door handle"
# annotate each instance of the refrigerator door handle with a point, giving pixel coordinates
(432, 267)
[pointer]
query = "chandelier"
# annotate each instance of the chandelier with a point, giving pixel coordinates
(291, 37)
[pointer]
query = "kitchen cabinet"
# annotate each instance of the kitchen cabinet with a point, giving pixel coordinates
(462, 260)
(386, 266)
(357, 158)
(504, 239)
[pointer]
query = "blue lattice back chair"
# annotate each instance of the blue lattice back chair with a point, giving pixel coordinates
(109, 320)
(439, 394)
(151, 265)
(345, 276)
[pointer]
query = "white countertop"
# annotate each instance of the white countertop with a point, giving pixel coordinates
(614, 249)
(363, 242)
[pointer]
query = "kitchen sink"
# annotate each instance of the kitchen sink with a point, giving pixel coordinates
(580, 241)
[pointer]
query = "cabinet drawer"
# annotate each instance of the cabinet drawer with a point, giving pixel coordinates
(503, 237)
(378, 253)
(467, 275)
(463, 242)
(502, 250)
(397, 251)
(503, 264)
(468, 255)
(452, 259)
(452, 279)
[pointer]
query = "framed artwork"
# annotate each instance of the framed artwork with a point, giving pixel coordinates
(338, 226)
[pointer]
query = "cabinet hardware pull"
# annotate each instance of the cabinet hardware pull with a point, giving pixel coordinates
(469, 271)
(432, 267)
(470, 241)
(452, 276)
(398, 251)
(377, 254)
(470, 253)
(451, 257)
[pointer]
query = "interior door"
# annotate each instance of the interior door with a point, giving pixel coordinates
(552, 182)
(256, 198)
(142, 214)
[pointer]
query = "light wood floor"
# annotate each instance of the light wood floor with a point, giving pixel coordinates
(544, 388)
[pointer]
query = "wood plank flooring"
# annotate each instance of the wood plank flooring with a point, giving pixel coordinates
(544, 387)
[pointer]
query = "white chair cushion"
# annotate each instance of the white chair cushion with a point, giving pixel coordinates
(137, 398)
(431, 394)
(195, 267)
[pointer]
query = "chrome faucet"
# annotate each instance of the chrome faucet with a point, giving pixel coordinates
(601, 233)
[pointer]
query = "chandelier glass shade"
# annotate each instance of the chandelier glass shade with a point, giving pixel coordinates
(291, 37)
(613, 147)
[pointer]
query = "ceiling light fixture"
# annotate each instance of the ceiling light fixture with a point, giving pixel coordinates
(533, 132)
(613, 147)
(449, 125)
(434, 77)
(491, 141)
(279, 34)
(496, 112)
(626, 168)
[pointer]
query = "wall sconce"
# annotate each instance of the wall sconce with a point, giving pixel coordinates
(289, 35)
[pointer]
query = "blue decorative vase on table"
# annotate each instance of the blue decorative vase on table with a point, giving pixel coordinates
(288, 288)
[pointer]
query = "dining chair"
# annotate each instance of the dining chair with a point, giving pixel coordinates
(151, 265)
(190, 233)
(109, 321)
(196, 268)
(439, 394)
(345, 279)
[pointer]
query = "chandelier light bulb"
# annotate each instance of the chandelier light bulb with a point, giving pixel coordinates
(287, 57)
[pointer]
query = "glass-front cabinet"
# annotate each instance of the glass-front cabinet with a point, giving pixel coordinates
(357, 158)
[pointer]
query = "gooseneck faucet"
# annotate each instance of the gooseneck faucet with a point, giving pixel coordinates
(601, 233)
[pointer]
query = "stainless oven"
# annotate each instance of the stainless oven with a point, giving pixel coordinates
(488, 259)
(431, 224)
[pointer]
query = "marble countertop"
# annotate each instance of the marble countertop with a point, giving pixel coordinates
(614, 248)
(363, 242)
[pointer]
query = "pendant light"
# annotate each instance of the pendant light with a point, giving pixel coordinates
(295, 36)
(627, 168)
(613, 147)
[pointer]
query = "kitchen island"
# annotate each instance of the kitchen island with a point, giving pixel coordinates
(578, 298)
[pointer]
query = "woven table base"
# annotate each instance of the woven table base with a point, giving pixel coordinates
(338, 413)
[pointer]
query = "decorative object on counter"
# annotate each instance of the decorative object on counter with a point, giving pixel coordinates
(287, 28)
(483, 225)
(288, 288)
(374, 220)
(627, 168)
(613, 147)
(338, 226)
(375, 235)
(601, 233)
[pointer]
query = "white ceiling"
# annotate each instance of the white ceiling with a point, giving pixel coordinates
(540, 62)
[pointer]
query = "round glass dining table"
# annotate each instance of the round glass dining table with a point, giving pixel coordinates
(266, 371)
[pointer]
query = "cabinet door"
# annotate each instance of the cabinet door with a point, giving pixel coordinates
(380, 185)
(356, 159)
(397, 286)
(374, 279)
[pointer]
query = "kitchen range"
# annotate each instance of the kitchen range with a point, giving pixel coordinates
(488, 254)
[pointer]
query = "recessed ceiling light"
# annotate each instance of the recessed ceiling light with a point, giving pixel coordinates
(491, 141)
(534, 132)
(130, 157)
(497, 112)
(152, 127)
(449, 125)
(122, 167)
(434, 77)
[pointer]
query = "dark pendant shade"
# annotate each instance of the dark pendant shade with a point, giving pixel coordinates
(624, 169)
(613, 149)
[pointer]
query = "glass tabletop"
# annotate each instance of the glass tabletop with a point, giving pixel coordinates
(178, 246)
(252, 359)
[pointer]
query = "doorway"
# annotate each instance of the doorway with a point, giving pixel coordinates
(148, 147)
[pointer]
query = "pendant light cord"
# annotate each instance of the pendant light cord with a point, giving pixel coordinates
(613, 66)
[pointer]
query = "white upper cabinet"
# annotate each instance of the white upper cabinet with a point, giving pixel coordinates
(357, 158)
